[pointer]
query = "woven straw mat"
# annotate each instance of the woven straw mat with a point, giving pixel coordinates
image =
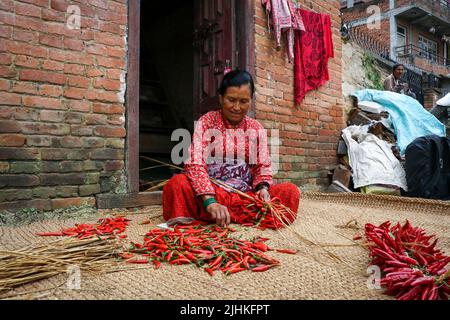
(310, 274)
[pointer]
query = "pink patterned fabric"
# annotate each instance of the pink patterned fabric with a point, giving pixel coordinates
(234, 173)
(196, 167)
(283, 16)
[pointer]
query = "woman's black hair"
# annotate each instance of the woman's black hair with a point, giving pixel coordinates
(397, 66)
(236, 78)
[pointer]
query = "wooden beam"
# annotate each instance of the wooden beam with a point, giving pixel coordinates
(245, 25)
(132, 96)
(419, 20)
(130, 200)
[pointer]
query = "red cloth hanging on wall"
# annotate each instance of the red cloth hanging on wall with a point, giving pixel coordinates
(313, 48)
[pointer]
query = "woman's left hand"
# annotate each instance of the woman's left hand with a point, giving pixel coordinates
(264, 194)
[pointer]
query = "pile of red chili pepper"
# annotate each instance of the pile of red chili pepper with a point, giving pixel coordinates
(264, 215)
(104, 227)
(412, 266)
(208, 247)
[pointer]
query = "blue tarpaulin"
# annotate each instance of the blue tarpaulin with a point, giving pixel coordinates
(409, 118)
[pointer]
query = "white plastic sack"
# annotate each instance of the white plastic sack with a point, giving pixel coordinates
(372, 160)
(445, 101)
(370, 106)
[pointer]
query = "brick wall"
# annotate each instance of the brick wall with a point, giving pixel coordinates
(309, 132)
(382, 35)
(61, 102)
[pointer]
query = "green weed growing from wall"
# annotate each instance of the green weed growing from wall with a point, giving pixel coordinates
(371, 72)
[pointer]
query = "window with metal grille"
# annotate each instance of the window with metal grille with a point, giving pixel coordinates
(428, 49)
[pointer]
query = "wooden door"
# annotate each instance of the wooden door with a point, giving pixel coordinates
(214, 46)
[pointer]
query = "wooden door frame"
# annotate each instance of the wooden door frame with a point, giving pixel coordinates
(245, 32)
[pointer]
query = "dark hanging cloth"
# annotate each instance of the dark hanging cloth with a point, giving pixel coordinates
(313, 48)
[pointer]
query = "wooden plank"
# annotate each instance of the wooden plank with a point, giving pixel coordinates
(132, 96)
(130, 200)
(245, 27)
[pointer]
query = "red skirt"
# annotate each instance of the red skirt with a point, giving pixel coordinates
(179, 200)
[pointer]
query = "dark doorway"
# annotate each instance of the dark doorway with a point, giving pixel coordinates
(166, 83)
(176, 54)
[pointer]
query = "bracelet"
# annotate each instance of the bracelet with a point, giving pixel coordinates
(209, 201)
(262, 185)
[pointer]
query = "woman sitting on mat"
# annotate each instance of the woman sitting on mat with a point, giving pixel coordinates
(193, 195)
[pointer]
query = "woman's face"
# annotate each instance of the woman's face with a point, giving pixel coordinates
(236, 102)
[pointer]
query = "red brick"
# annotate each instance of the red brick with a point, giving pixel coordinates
(6, 31)
(26, 49)
(104, 131)
(7, 72)
(27, 10)
(110, 27)
(104, 96)
(72, 202)
(77, 81)
(116, 120)
(73, 44)
(12, 140)
(29, 62)
(5, 84)
(29, 23)
(53, 65)
(108, 108)
(51, 41)
(53, 15)
(11, 99)
(5, 58)
(107, 84)
(95, 119)
(50, 90)
(111, 62)
(73, 117)
(51, 116)
(9, 126)
(46, 128)
(93, 72)
(59, 5)
(19, 154)
(40, 3)
(42, 102)
(109, 39)
(42, 76)
(74, 69)
(114, 74)
(75, 93)
(26, 36)
(97, 49)
(76, 105)
(24, 87)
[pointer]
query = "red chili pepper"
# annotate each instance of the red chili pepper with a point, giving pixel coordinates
(234, 270)
(288, 251)
(211, 272)
(137, 261)
(50, 234)
(180, 261)
(262, 268)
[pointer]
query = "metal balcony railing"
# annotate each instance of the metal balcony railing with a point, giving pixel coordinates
(365, 41)
(407, 54)
(436, 7)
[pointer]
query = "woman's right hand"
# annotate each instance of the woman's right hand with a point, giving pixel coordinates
(219, 213)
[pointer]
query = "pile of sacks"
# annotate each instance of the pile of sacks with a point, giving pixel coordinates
(373, 148)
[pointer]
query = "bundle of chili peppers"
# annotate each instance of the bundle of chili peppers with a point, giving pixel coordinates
(264, 215)
(412, 266)
(207, 247)
(106, 226)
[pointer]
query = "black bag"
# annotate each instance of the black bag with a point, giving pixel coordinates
(428, 168)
